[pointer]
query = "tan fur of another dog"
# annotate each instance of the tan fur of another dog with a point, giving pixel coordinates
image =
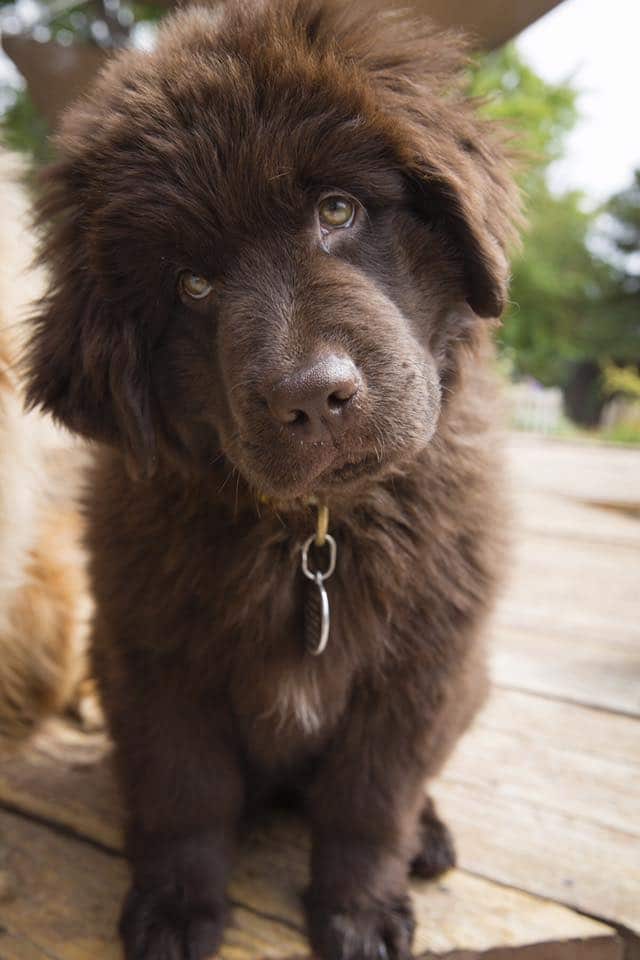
(44, 605)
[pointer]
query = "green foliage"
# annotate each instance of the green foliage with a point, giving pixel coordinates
(23, 129)
(73, 21)
(625, 380)
(623, 294)
(539, 113)
(624, 209)
(77, 18)
(148, 11)
(556, 290)
(622, 433)
(569, 304)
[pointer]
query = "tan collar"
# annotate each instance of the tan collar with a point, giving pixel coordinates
(322, 515)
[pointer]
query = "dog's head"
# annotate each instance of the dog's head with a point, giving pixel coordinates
(270, 237)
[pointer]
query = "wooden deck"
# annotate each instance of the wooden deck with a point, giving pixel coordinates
(543, 794)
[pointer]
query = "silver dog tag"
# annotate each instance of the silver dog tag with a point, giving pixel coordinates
(317, 616)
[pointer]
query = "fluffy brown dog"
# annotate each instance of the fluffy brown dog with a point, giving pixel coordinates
(273, 242)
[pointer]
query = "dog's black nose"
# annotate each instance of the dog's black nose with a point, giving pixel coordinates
(316, 400)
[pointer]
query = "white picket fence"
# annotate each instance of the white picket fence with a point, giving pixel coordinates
(534, 408)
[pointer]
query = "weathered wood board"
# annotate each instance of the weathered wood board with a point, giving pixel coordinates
(567, 727)
(584, 472)
(486, 794)
(65, 893)
(579, 670)
(558, 585)
(541, 850)
(559, 517)
(511, 763)
(568, 623)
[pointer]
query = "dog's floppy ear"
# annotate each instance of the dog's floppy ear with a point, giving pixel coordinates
(475, 207)
(453, 161)
(87, 361)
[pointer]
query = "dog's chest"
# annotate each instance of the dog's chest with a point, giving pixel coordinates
(287, 699)
(298, 704)
(288, 702)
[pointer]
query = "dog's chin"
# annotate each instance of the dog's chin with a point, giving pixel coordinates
(343, 475)
(348, 478)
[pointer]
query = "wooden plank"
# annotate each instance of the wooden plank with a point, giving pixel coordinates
(559, 516)
(67, 896)
(17, 948)
(65, 777)
(536, 617)
(514, 763)
(587, 472)
(544, 851)
(568, 726)
(465, 914)
(594, 949)
(67, 899)
(553, 664)
(544, 796)
(567, 624)
(580, 589)
(62, 779)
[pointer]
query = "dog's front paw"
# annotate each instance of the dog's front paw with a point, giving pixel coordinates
(375, 932)
(162, 925)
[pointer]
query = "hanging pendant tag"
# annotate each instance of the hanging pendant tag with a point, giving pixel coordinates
(317, 616)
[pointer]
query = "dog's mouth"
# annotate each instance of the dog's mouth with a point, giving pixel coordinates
(292, 479)
(366, 465)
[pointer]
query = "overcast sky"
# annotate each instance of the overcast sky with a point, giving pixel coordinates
(596, 43)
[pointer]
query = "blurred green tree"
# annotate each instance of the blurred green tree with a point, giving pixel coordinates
(622, 230)
(573, 299)
(539, 113)
(24, 129)
(58, 45)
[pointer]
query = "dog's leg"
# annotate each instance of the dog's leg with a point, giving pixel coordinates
(435, 847)
(184, 793)
(176, 907)
(365, 806)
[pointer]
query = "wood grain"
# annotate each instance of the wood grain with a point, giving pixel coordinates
(577, 669)
(544, 851)
(512, 763)
(67, 895)
(562, 726)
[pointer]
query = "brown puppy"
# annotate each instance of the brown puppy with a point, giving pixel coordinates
(272, 243)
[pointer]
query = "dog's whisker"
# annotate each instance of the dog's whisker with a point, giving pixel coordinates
(226, 480)
(237, 473)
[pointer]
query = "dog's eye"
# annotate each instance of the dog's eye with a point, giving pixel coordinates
(194, 286)
(336, 211)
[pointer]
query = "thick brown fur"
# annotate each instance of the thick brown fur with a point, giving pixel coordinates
(211, 155)
(44, 603)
